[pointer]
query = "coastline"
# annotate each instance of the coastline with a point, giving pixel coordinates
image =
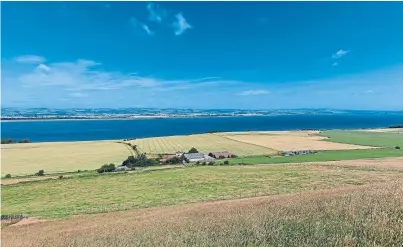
(128, 118)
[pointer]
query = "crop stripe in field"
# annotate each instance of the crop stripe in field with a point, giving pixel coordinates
(270, 149)
(157, 145)
(172, 148)
(131, 151)
(175, 143)
(163, 145)
(180, 142)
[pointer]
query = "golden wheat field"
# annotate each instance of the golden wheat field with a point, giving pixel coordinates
(290, 140)
(202, 142)
(29, 158)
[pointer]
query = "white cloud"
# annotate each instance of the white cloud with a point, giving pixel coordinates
(253, 92)
(86, 75)
(42, 67)
(369, 91)
(181, 25)
(79, 95)
(339, 54)
(30, 59)
(335, 64)
(147, 29)
(156, 13)
(137, 24)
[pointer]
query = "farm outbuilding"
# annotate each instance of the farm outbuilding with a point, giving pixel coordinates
(194, 157)
(225, 154)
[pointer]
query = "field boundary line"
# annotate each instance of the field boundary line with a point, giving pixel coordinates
(256, 145)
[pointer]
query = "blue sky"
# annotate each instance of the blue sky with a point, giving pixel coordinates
(260, 55)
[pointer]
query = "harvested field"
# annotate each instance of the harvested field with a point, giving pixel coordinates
(387, 163)
(204, 143)
(29, 158)
(292, 141)
(353, 216)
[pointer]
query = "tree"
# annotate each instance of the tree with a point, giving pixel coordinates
(226, 162)
(211, 155)
(138, 161)
(193, 151)
(397, 147)
(221, 157)
(106, 168)
(40, 173)
(7, 141)
(8, 176)
(24, 141)
(174, 160)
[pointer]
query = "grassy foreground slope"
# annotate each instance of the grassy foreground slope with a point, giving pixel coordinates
(114, 192)
(359, 216)
(368, 138)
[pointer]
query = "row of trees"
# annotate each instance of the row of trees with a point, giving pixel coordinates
(11, 141)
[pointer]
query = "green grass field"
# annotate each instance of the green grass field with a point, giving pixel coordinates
(114, 192)
(323, 156)
(366, 138)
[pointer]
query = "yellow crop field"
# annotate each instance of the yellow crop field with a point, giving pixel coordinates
(204, 143)
(29, 158)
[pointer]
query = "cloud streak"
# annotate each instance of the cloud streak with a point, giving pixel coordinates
(139, 25)
(79, 95)
(340, 53)
(33, 59)
(181, 24)
(87, 75)
(253, 92)
(156, 12)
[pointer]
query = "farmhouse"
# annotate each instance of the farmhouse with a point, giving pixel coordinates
(225, 154)
(194, 157)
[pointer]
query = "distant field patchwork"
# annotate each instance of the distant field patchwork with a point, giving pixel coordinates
(204, 143)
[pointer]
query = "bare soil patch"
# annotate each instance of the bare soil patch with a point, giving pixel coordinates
(28, 221)
(28, 179)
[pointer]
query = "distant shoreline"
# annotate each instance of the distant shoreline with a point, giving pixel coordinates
(130, 118)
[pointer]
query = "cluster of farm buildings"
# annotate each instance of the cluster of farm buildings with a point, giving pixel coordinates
(211, 157)
(198, 157)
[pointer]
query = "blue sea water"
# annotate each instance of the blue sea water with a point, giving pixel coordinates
(85, 130)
